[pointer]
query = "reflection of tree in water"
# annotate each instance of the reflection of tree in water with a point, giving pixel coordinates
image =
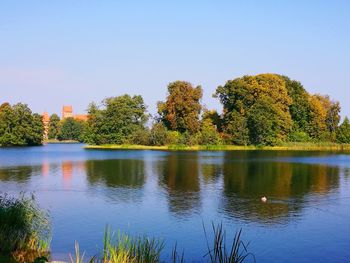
(178, 174)
(125, 173)
(284, 183)
(210, 172)
(346, 172)
(19, 173)
(120, 180)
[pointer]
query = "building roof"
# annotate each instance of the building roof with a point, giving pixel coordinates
(81, 117)
(67, 108)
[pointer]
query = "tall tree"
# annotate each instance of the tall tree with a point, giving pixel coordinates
(19, 126)
(323, 117)
(180, 112)
(54, 126)
(119, 119)
(332, 109)
(343, 132)
(213, 117)
(300, 106)
(265, 125)
(236, 128)
(240, 95)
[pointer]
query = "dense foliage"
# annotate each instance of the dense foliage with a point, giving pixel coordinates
(54, 126)
(343, 133)
(19, 126)
(180, 112)
(117, 121)
(71, 129)
(269, 109)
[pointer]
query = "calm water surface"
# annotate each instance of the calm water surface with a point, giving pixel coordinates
(170, 194)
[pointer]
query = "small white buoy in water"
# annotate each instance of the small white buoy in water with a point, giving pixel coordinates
(263, 199)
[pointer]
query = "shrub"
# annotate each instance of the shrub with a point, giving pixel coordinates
(209, 135)
(24, 228)
(158, 135)
(140, 137)
(174, 137)
(299, 136)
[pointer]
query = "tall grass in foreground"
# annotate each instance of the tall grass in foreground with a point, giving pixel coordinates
(24, 228)
(122, 248)
(220, 252)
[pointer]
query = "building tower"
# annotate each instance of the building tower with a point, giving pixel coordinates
(46, 123)
(67, 112)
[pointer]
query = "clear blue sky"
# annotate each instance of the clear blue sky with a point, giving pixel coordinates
(74, 52)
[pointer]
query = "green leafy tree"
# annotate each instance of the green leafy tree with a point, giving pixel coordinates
(343, 132)
(236, 128)
(19, 126)
(93, 133)
(214, 118)
(300, 106)
(208, 133)
(119, 118)
(54, 126)
(264, 123)
(180, 112)
(35, 137)
(240, 95)
(71, 129)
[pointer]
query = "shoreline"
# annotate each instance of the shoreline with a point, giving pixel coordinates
(60, 142)
(286, 147)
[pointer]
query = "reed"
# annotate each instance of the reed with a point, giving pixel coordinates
(222, 252)
(125, 248)
(176, 257)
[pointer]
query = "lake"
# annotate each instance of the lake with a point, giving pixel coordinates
(171, 195)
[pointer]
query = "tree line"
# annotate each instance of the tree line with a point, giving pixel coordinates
(265, 109)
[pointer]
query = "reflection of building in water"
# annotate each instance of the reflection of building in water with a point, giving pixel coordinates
(71, 169)
(45, 168)
(178, 174)
(67, 170)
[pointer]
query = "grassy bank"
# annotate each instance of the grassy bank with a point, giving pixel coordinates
(283, 147)
(58, 142)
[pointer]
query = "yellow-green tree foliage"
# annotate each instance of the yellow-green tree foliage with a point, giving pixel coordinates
(268, 109)
(180, 112)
